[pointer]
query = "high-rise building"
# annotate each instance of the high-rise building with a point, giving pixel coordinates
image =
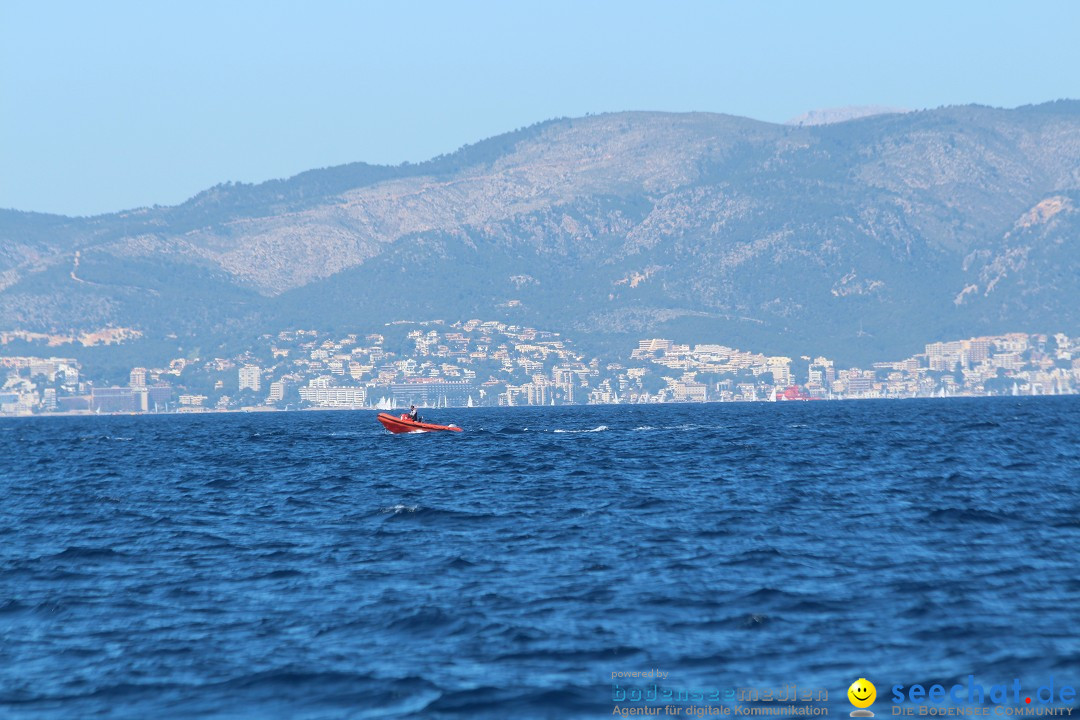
(979, 349)
(137, 377)
(780, 367)
(277, 391)
(430, 392)
(158, 397)
(113, 399)
(536, 393)
(251, 378)
(334, 396)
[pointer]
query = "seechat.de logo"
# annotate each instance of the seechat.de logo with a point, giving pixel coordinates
(862, 694)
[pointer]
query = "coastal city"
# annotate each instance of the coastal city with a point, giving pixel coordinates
(477, 363)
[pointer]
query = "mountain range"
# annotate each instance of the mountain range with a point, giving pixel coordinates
(860, 239)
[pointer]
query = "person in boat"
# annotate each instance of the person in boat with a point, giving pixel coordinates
(414, 414)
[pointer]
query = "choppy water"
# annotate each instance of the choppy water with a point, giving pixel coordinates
(307, 565)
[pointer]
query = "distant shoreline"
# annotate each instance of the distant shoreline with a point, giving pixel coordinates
(264, 411)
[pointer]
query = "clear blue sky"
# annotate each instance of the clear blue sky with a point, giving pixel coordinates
(113, 105)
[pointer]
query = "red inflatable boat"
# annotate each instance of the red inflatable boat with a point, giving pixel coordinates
(404, 425)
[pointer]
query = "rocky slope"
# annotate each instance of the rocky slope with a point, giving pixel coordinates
(859, 239)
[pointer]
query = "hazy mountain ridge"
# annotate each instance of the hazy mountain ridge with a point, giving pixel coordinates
(827, 116)
(858, 238)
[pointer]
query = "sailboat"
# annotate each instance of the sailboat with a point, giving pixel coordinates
(384, 404)
(470, 403)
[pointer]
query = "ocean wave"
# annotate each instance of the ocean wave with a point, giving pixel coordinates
(281, 574)
(399, 508)
(80, 552)
(598, 428)
(10, 606)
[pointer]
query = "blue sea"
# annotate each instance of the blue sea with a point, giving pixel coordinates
(309, 565)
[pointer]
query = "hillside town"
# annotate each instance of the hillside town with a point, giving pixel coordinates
(477, 363)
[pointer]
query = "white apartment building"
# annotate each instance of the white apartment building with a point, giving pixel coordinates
(251, 377)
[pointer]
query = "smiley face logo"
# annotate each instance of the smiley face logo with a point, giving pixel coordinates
(862, 694)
